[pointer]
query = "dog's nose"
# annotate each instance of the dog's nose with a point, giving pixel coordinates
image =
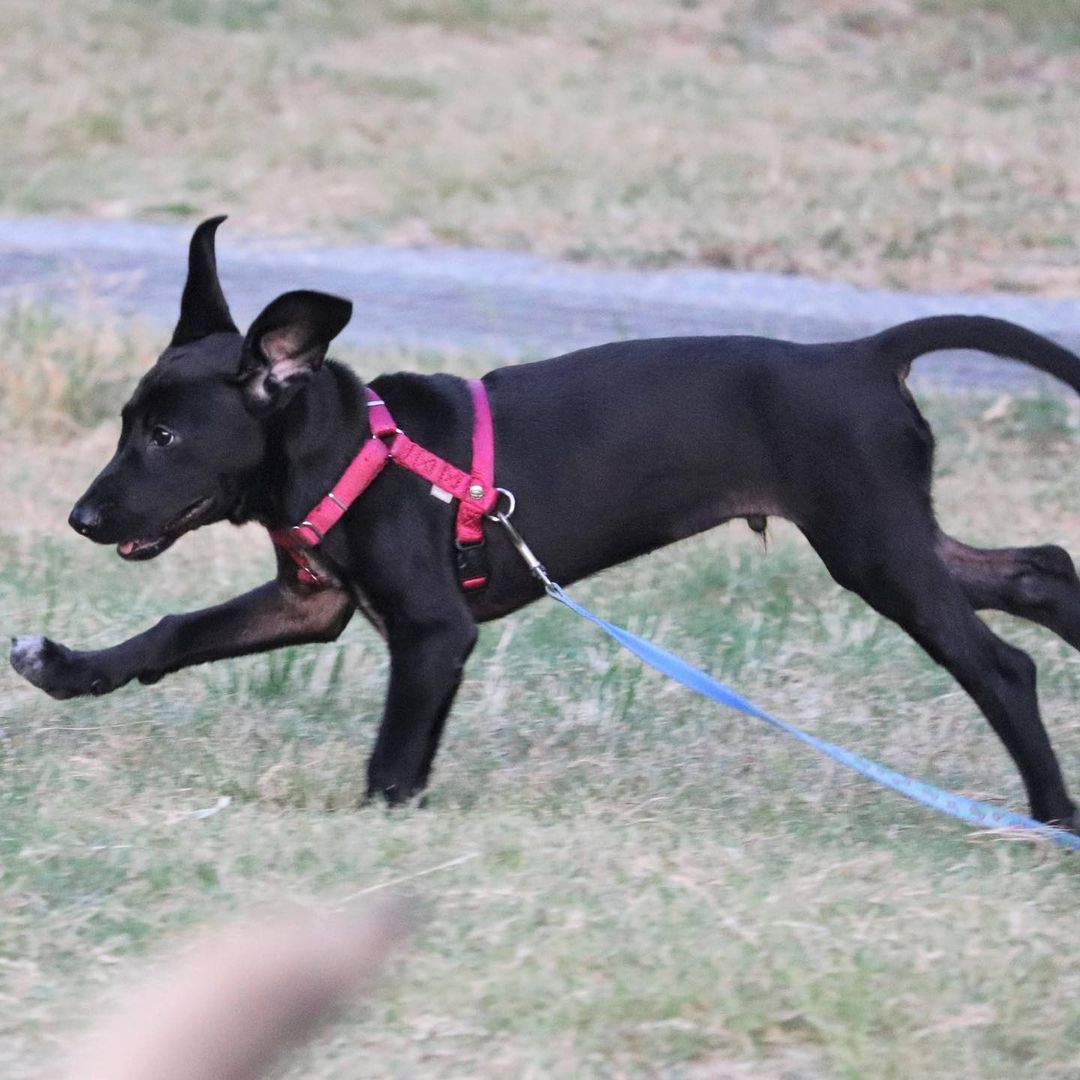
(84, 519)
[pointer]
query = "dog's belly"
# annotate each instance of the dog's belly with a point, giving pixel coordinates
(755, 509)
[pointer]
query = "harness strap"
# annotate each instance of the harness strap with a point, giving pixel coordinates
(481, 493)
(474, 490)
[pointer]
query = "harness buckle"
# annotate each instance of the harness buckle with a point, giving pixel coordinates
(472, 565)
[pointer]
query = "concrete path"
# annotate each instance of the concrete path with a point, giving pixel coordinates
(507, 305)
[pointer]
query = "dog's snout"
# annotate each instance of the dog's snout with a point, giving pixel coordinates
(84, 519)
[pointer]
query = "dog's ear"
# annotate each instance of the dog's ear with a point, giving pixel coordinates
(287, 343)
(203, 309)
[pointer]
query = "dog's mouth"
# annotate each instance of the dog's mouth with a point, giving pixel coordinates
(150, 546)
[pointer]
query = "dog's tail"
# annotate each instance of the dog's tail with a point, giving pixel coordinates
(900, 345)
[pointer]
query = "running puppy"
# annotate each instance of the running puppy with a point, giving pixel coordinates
(610, 452)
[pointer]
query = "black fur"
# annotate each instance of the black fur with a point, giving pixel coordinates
(611, 452)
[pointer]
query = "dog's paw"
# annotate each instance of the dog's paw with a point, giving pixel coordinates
(1071, 823)
(54, 668)
(26, 656)
(391, 790)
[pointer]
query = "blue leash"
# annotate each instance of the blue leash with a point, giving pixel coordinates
(972, 811)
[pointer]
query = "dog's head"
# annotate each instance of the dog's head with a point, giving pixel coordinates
(194, 433)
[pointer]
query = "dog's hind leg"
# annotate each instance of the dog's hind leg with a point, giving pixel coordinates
(889, 558)
(1036, 583)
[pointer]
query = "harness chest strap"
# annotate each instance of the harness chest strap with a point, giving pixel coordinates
(475, 490)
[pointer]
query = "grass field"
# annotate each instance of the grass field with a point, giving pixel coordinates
(920, 143)
(623, 879)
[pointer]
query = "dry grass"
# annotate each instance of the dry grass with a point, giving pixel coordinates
(921, 143)
(625, 881)
(59, 376)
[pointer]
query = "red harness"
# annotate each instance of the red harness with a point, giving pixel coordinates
(475, 491)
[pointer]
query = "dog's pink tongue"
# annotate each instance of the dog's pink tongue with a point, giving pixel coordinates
(128, 546)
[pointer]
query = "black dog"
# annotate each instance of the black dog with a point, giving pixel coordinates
(611, 452)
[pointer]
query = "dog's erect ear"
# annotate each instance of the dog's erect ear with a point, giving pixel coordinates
(287, 343)
(203, 309)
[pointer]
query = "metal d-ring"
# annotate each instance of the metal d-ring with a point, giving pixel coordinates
(308, 525)
(497, 514)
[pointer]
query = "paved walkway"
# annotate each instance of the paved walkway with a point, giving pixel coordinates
(508, 305)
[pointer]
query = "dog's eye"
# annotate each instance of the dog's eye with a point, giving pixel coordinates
(161, 436)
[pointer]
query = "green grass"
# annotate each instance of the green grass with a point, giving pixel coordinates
(920, 143)
(1051, 24)
(648, 885)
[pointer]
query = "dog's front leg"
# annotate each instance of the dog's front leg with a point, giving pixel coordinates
(427, 659)
(268, 617)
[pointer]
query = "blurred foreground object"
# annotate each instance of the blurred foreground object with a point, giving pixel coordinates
(239, 998)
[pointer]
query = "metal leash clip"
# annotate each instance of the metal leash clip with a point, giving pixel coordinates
(536, 567)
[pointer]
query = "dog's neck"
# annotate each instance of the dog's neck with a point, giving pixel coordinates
(308, 446)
